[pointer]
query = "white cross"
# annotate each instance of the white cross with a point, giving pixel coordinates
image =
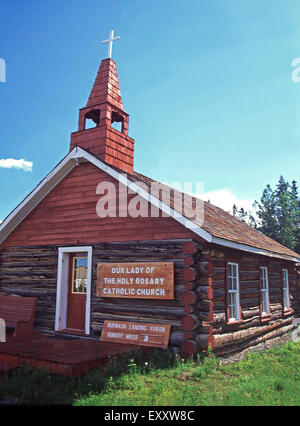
(110, 42)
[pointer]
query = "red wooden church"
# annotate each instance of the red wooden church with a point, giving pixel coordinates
(231, 288)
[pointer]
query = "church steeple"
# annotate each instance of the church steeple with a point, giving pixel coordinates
(103, 109)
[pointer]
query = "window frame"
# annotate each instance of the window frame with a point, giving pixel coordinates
(266, 290)
(73, 274)
(229, 291)
(285, 308)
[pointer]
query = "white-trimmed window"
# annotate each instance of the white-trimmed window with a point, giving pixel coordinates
(286, 292)
(264, 290)
(233, 292)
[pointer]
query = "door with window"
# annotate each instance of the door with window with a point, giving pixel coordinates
(77, 288)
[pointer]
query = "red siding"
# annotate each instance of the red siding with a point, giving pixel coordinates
(68, 216)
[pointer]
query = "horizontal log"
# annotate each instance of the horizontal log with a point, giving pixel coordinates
(205, 292)
(176, 338)
(219, 318)
(223, 328)
(136, 309)
(205, 268)
(251, 312)
(253, 341)
(51, 293)
(29, 266)
(133, 302)
(249, 293)
(247, 284)
(250, 303)
(204, 280)
(205, 305)
(249, 275)
(240, 335)
(205, 256)
(28, 275)
(217, 254)
(178, 290)
(205, 328)
(218, 263)
(219, 306)
(205, 341)
(276, 307)
(219, 295)
(189, 348)
(219, 276)
(23, 283)
(206, 316)
(99, 318)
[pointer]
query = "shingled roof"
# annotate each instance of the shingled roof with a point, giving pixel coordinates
(218, 222)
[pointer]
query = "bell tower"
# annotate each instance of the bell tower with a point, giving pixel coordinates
(104, 108)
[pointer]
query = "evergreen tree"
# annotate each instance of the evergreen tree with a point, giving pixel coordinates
(279, 213)
(244, 216)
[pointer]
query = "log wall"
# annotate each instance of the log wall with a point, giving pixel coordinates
(197, 315)
(253, 327)
(140, 310)
(32, 271)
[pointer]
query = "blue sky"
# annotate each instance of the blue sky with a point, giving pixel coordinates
(207, 84)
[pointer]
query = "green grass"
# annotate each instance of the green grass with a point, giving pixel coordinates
(263, 378)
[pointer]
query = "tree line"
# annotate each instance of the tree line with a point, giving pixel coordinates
(277, 214)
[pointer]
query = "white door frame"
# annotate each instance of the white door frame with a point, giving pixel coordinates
(63, 283)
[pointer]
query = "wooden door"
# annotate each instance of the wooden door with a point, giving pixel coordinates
(77, 292)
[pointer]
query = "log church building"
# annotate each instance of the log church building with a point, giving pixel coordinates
(199, 276)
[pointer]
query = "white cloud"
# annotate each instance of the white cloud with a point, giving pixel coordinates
(225, 199)
(11, 163)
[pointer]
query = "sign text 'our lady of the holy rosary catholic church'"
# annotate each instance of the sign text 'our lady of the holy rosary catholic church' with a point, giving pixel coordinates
(136, 280)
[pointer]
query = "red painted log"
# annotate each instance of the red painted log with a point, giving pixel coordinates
(189, 348)
(188, 309)
(190, 322)
(189, 274)
(188, 298)
(189, 335)
(189, 261)
(190, 247)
